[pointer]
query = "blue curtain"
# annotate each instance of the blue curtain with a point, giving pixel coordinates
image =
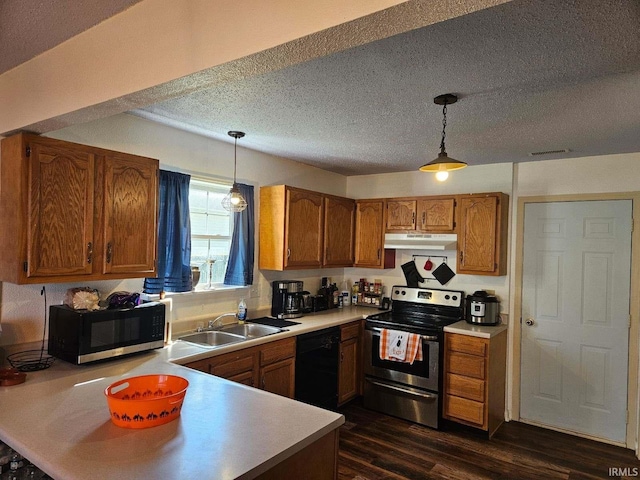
(240, 265)
(174, 236)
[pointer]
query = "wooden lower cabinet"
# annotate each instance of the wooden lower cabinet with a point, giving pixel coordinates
(270, 367)
(317, 461)
(349, 384)
(279, 377)
(474, 380)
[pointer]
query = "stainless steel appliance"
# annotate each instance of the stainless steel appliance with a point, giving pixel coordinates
(286, 300)
(483, 309)
(83, 336)
(410, 391)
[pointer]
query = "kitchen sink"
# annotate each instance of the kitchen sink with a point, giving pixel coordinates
(251, 330)
(229, 334)
(212, 338)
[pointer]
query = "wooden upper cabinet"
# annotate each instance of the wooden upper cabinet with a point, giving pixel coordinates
(60, 218)
(369, 244)
(401, 215)
(130, 184)
(482, 234)
(65, 202)
(291, 228)
(303, 227)
(436, 214)
(339, 231)
(422, 214)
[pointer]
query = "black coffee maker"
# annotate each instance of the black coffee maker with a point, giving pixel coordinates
(286, 301)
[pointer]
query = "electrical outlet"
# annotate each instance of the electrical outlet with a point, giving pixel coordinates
(254, 291)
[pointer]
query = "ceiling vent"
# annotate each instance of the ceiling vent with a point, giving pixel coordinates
(549, 152)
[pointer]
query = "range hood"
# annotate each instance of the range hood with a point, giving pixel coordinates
(420, 241)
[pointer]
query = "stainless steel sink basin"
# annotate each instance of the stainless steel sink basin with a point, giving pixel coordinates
(212, 338)
(251, 330)
(229, 334)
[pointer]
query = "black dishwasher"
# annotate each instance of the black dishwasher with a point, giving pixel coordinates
(317, 362)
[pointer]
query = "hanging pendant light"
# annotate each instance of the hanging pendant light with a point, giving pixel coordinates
(444, 164)
(234, 201)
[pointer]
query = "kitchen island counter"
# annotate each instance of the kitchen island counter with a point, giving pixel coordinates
(60, 421)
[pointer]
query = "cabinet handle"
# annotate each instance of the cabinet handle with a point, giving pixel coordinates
(341, 357)
(109, 252)
(461, 255)
(424, 218)
(288, 252)
(378, 254)
(89, 252)
(263, 382)
(413, 218)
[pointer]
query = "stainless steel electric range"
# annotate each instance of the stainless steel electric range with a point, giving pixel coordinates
(410, 391)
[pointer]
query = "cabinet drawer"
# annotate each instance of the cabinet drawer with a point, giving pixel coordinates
(350, 330)
(231, 367)
(276, 351)
(246, 378)
(465, 387)
(467, 365)
(467, 344)
(463, 409)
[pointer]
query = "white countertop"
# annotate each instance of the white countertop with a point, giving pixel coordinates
(482, 331)
(59, 418)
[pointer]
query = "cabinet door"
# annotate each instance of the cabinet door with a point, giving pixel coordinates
(60, 223)
(279, 377)
(339, 226)
(130, 214)
(348, 370)
(477, 239)
(436, 215)
(369, 233)
(303, 239)
(401, 215)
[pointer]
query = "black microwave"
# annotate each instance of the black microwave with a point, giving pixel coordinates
(83, 336)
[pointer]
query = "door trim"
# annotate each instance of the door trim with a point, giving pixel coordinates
(633, 393)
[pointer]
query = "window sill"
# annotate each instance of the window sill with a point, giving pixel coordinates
(213, 292)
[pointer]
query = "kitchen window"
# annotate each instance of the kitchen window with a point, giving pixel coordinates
(211, 228)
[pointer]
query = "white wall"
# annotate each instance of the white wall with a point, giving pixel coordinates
(601, 174)
(22, 308)
(485, 178)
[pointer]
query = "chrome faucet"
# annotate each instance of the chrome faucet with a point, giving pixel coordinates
(212, 323)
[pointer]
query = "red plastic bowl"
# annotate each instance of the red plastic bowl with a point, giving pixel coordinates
(146, 401)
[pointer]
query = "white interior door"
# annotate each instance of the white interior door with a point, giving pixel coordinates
(575, 316)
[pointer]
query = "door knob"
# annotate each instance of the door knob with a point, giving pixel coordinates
(529, 321)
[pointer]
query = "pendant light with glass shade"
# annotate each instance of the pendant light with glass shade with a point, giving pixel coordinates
(444, 164)
(234, 201)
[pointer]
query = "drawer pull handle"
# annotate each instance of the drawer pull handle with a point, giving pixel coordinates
(428, 396)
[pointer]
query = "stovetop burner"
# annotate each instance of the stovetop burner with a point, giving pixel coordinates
(422, 308)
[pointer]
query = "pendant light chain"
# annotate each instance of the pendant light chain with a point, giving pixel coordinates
(444, 126)
(235, 158)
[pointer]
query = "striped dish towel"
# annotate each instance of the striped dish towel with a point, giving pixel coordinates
(413, 351)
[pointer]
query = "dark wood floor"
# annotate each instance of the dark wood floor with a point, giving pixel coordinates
(374, 446)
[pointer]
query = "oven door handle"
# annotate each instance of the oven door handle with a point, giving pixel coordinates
(428, 338)
(428, 396)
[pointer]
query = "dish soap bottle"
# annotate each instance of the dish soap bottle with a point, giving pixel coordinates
(242, 311)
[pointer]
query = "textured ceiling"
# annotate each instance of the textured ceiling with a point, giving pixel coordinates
(531, 76)
(30, 27)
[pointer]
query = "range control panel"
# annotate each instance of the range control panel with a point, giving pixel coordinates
(430, 296)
